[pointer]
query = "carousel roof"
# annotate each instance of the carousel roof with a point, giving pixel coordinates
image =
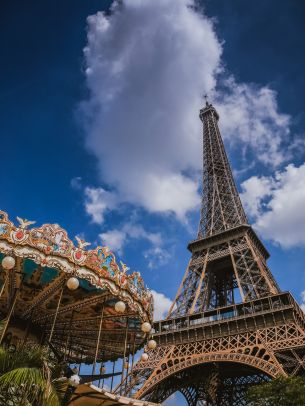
(45, 258)
(91, 395)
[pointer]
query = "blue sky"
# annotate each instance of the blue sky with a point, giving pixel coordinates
(46, 143)
(100, 130)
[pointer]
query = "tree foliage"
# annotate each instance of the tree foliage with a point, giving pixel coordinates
(29, 377)
(283, 391)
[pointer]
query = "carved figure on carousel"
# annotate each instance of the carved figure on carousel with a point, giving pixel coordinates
(123, 277)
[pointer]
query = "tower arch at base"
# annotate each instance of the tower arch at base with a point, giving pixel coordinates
(171, 367)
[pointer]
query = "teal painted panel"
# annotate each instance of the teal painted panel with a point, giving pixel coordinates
(49, 274)
(87, 286)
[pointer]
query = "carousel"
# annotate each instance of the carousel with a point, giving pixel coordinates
(89, 310)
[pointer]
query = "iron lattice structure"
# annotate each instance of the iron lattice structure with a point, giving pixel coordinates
(229, 326)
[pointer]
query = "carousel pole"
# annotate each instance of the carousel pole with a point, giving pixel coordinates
(56, 313)
(27, 331)
(80, 361)
(1, 293)
(72, 284)
(125, 347)
(12, 307)
(99, 381)
(8, 318)
(127, 371)
(113, 368)
(133, 351)
(132, 360)
(4, 284)
(98, 341)
(68, 340)
(102, 371)
(43, 335)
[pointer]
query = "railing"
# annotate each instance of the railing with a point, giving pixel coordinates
(264, 305)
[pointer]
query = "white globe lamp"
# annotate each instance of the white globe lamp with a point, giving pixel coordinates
(146, 327)
(152, 344)
(8, 262)
(120, 307)
(144, 357)
(72, 283)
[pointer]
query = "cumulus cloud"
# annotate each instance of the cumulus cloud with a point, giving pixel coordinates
(161, 305)
(254, 190)
(249, 114)
(148, 64)
(117, 238)
(277, 205)
(114, 239)
(156, 256)
(97, 202)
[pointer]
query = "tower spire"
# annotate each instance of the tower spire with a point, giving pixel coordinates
(228, 261)
(221, 208)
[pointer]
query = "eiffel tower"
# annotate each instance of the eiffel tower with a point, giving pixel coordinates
(229, 326)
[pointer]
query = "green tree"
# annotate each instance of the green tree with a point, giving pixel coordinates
(283, 391)
(29, 377)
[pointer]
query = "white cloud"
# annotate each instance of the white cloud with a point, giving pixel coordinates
(117, 238)
(250, 114)
(148, 64)
(137, 231)
(156, 256)
(254, 190)
(114, 239)
(277, 204)
(97, 202)
(161, 305)
(76, 183)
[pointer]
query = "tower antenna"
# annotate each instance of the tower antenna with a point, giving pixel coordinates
(206, 99)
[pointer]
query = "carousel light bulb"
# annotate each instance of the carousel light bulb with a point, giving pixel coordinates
(8, 262)
(152, 344)
(102, 370)
(146, 327)
(144, 357)
(126, 365)
(120, 307)
(74, 380)
(72, 283)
